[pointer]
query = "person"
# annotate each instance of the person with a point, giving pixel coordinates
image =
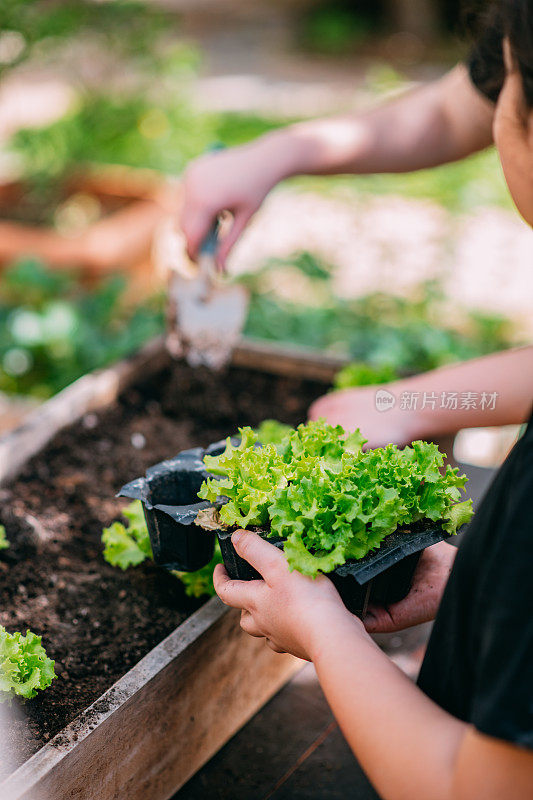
(465, 731)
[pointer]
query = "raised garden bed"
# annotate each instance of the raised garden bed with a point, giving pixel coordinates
(112, 720)
(126, 207)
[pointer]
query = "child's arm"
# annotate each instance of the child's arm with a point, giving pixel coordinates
(408, 746)
(439, 402)
(442, 121)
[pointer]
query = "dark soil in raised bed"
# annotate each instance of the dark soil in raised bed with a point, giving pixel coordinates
(97, 621)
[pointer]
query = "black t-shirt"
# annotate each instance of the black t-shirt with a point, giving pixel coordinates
(479, 661)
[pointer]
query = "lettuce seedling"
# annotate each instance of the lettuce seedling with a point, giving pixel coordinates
(4, 544)
(326, 497)
(127, 546)
(24, 666)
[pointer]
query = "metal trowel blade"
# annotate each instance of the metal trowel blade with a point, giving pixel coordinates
(209, 317)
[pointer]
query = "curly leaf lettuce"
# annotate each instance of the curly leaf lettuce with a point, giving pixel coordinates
(24, 666)
(271, 431)
(326, 497)
(4, 544)
(127, 546)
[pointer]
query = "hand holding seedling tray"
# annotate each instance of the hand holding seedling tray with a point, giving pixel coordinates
(363, 518)
(360, 517)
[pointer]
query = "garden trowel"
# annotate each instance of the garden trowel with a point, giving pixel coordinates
(207, 312)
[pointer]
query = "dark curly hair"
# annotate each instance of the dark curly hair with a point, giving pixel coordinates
(489, 25)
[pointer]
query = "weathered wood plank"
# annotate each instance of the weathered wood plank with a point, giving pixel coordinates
(280, 359)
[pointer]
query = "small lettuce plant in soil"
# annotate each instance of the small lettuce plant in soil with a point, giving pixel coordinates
(327, 498)
(24, 666)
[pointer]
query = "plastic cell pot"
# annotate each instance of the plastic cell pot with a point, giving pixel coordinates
(383, 576)
(169, 494)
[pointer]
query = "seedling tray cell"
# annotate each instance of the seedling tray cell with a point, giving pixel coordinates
(169, 494)
(383, 576)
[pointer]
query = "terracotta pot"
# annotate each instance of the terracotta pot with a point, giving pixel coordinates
(121, 241)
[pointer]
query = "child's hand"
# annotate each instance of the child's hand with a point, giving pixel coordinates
(294, 613)
(235, 180)
(423, 600)
(356, 408)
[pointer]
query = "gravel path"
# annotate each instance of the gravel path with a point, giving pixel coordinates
(485, 258)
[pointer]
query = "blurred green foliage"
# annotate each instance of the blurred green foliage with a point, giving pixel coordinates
(128, 28)
(52, 330)
(382, 331)
(111, 130)
(129, 130)
(338, 27)
(357, 373)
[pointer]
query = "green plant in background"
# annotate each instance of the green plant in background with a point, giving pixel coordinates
(326, 497)
(391, 334)
(335, 28)
(358, 373)
(52, 330)
(271, 431)
(149, 121)
(129, 545)
(131, 130)
(4, 543)
(24, 666)
(127, 28)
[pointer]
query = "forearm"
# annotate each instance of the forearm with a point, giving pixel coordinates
(436, 123)
(406, 744)
(500, 388)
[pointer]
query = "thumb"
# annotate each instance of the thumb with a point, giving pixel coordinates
(240, 221)
(195, 226)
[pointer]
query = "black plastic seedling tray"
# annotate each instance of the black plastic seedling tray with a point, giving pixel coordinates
(169, 494)
(383, 576)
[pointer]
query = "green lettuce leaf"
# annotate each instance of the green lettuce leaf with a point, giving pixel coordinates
(24, 666)
(4, 544)
(458, 515)
(270, 431)
(326, 497)
(127, 546)
(358, 373)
